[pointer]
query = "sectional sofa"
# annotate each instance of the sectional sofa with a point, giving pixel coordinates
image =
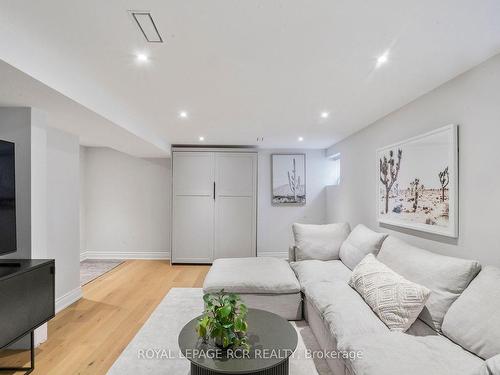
(457, 331)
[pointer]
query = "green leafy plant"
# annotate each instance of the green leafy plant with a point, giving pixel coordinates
(224, 320)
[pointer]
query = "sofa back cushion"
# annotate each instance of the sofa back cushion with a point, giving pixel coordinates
(361, 242)
(320, 242)
(446, 277)
(473, 321)
(493, 365)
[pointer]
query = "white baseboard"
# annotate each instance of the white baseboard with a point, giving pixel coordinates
(127, 255)
(83, 256)
(68, 299)
(274, 254)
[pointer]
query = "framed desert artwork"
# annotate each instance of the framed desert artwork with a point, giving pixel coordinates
(418, 182)
(288, 176)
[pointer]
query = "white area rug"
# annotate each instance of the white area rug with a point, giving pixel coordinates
(91, 269)
(161, 331)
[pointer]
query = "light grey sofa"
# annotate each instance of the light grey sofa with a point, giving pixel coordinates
(458, 332)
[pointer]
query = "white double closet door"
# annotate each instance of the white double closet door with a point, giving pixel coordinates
(214, 205)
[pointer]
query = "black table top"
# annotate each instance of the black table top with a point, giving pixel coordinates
(272, 339)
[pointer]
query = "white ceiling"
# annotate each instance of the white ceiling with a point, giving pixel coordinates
(19, 89)
(241, 69)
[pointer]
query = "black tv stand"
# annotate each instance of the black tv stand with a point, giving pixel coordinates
(10, 264)
(31, 368)
(28, 301)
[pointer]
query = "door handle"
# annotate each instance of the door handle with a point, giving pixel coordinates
(214, 190)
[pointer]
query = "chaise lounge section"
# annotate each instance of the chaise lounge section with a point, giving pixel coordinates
(263, 283)
(457, 331)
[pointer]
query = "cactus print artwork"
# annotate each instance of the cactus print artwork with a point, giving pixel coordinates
(417, 183)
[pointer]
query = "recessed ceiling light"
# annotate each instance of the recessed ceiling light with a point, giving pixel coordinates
(325, 115)
(183, 114)
(382, 59)
(301, 139)
(142, 57)
(201, 139)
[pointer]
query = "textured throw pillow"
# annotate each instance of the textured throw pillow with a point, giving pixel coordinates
(395, 300)
(321, 242)
(361, 242)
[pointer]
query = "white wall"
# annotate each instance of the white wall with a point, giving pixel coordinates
(471, 100)
(63, 214)
(38, 186)
(27, 128)
(274, 232)
(82, 170)
(126, 205)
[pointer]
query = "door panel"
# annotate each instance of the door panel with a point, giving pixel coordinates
(193, 231)
(234, 229)
(235, 205)
(235, 174)
(193, 207)
(193, 173)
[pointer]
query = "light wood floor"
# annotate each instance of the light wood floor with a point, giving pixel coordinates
(88, 336)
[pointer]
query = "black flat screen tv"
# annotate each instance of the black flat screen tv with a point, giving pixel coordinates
(8, 240)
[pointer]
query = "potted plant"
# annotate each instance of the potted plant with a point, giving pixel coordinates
(224, 321)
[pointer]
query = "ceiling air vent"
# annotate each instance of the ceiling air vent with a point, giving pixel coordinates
(147, 26)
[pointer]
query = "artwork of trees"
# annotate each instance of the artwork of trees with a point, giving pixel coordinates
(416, 190)
(444, 179)
(389, 170)
(294, 181)
(417, 184)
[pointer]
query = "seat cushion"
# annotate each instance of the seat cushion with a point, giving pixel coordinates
(312, 271)
(397, 353)
(396, 301)
(360, 242)
(343, 310)
(320, 242)
(288, 306)
(473, 321)
(251, 275)
(446, 277)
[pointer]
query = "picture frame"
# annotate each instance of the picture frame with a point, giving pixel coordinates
(417, 183)
(288, 179)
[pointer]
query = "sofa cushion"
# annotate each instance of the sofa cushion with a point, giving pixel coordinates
(360, 242)
(446, 277)
(473, 321)
(320, 242)
(493, 365)
(312, 271)
(343, 310)
(251, 275)
(396, 301)
(397, 353)
(419, 328)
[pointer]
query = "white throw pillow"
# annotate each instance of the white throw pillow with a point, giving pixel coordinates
(395, 300)
(361, 242)
(320, 242)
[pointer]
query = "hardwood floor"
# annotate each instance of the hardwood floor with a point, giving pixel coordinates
(88, 336)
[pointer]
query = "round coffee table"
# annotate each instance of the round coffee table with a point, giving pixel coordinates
(273, 340)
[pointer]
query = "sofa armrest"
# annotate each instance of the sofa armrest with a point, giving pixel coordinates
(292, 253)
